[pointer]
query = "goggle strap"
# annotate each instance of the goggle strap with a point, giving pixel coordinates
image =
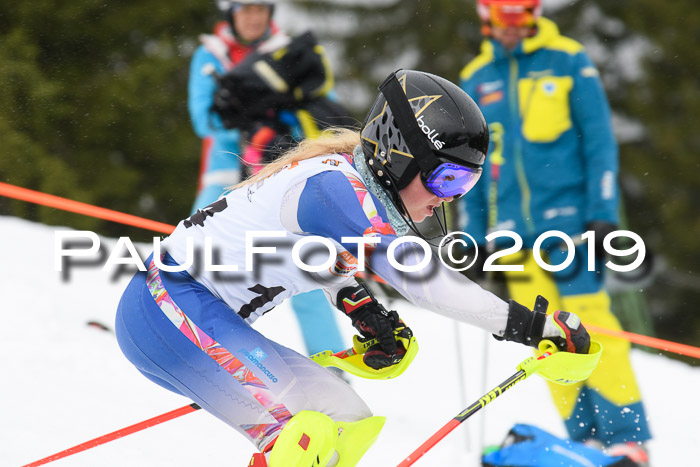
(408, 126)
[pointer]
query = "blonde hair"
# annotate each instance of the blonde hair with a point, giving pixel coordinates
(334, 140)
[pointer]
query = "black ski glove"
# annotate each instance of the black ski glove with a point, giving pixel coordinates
(527, 327)
(372, 320)
(242, 102)
(229, 108)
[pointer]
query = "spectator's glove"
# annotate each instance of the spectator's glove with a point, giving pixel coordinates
(372, 320)
(242, 100)
(527, 327)
(228, 105)
(601, 229)
(262, 84)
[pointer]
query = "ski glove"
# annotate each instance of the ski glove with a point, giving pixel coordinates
(527, 327)
(229, 107)
(372, 320)
(241, 104)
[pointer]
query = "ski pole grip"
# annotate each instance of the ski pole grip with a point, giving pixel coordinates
(547, 346)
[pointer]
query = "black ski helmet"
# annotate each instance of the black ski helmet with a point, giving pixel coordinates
(418, 121)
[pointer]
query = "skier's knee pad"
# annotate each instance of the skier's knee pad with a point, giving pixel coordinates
(308, 439)
(356, 438)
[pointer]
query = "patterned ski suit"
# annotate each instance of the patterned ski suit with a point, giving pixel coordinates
(190, 331)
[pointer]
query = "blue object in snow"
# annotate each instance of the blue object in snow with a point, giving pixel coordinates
(529, 446)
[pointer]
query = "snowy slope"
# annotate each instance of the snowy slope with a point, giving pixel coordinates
(64, 382)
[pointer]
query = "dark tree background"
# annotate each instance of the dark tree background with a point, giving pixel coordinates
(94, 106)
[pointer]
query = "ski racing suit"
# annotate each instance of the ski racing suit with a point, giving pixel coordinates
(221, 152)
(553, 165)
(190, 331)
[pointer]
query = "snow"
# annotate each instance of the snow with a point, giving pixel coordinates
(64, 382)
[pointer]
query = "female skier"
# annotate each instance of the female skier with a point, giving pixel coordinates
(187, 326)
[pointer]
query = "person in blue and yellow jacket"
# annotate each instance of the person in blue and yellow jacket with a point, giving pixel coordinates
(553, 166)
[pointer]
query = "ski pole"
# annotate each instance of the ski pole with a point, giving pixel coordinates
(465, 414)
(117, 434)
(323, 358)
(559, 367)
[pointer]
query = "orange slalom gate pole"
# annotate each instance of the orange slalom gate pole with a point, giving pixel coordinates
(65, 204)
(661, 344)
(24, 194)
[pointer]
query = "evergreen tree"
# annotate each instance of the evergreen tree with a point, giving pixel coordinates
(437, 36)
(94, 101)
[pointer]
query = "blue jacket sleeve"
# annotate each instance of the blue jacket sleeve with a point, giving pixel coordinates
(200, 97)
(592, 116)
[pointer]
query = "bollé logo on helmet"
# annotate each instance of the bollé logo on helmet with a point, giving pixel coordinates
(431, 134)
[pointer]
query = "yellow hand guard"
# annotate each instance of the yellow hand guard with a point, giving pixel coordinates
(351, 360)
(562, 367)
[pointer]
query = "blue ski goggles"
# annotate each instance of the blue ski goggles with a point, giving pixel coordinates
(450, 179)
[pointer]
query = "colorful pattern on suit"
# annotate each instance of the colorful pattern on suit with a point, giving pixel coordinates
(220, 355)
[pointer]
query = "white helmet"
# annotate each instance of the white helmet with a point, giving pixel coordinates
(225, 6)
